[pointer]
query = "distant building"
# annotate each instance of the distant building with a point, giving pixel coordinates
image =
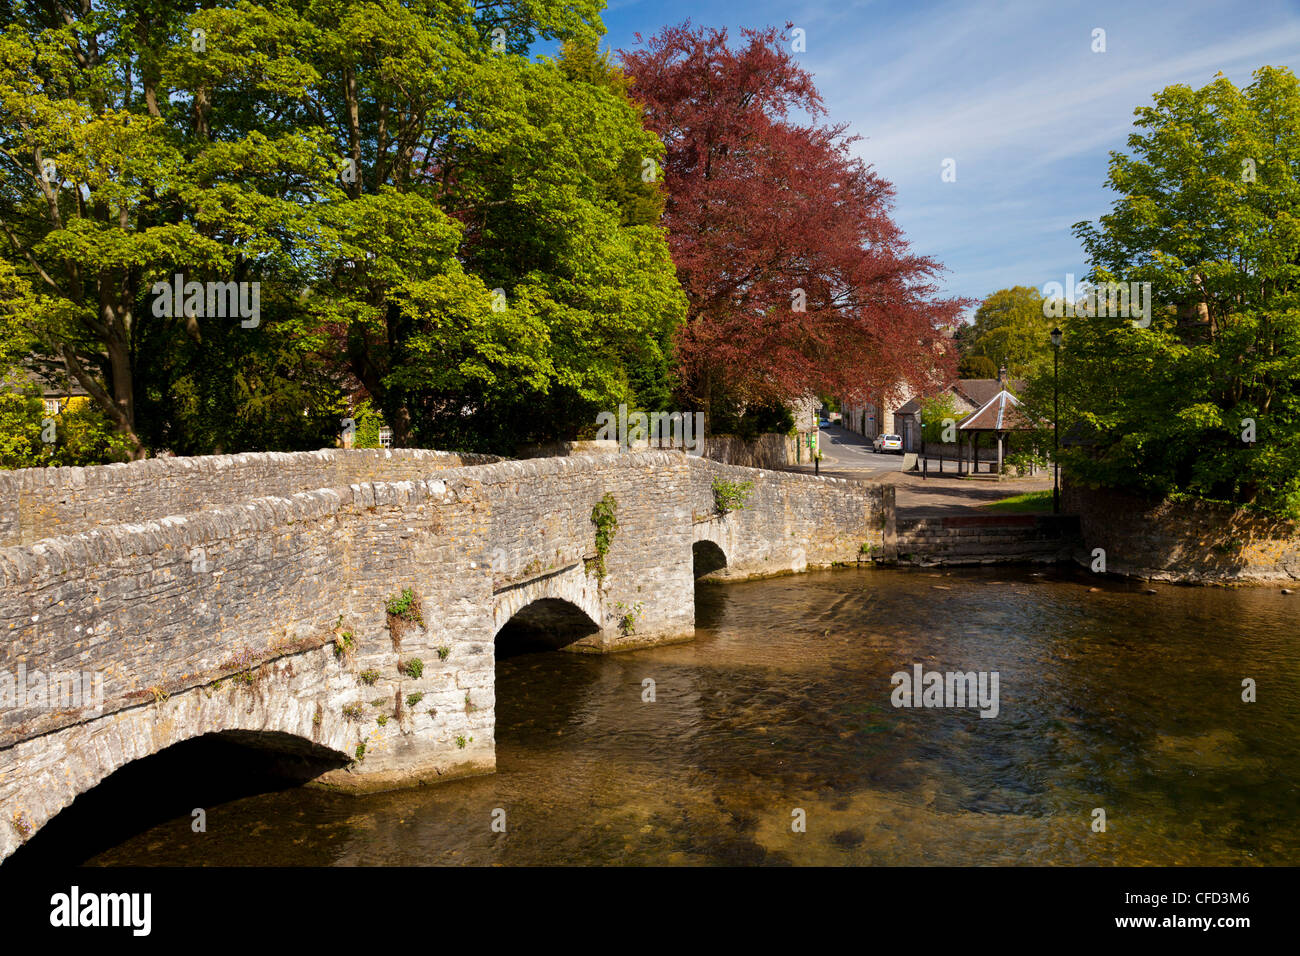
(969, 396)
(875, 415)
(998, 418)
(59, 390)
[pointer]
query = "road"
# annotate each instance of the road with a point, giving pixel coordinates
(846, 454)
(846, 451)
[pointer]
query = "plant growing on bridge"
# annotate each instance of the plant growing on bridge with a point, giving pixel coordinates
(413, 668)
(406, 606)
(413, 699)
(344, 643)
(627, 622)
(368, 677)
(604, 517)
(242, 664)
(354, 712)
(730, 496)
(22, 824)
(402, 610)
(443, 653)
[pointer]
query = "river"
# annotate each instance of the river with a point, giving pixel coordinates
(780, 711)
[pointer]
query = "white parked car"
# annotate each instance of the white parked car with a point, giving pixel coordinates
(888, 443)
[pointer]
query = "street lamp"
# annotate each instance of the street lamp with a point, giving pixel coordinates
(1056, 422)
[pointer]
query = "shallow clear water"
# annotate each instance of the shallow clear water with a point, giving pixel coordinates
(1112, 699)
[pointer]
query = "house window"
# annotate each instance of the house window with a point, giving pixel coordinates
(51, 406)
(385, 437)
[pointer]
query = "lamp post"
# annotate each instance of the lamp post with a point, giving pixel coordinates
(1056, 422)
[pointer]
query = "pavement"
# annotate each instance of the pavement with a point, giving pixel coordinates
(846, 454)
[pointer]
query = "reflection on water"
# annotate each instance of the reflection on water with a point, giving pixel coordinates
(1114, 698)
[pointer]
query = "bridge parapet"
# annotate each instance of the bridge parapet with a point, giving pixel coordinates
(37, 503)
(790, 521)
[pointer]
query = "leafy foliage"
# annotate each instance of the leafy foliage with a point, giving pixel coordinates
(798, 280)
(1209, 214)
(605, 518)
(729, 496)
(934, 412)
(380, 168)
(753, 419)
(1009, 329)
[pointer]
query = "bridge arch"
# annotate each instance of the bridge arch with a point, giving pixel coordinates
(707, 557)
(713, 547)
(277, 712)
(162, 791)
(557, 609)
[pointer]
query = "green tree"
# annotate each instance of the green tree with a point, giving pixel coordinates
(1208, 214)
(368, 423)
(936, 412)
(1010, 329)
(133, 148)
(977, 366)
(501, 273)
(21, 414)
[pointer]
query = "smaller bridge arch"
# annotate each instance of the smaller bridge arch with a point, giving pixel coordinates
(713, 546)
(707, 557)
(560, 609)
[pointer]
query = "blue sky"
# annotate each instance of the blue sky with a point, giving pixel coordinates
(1011, 91)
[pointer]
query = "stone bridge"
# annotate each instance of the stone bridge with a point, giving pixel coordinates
(342, 607)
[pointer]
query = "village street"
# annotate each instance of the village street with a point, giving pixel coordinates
(846, 454)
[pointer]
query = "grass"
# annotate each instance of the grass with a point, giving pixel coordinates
(1030, 502)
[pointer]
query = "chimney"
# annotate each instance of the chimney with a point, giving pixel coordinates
(1002, 376)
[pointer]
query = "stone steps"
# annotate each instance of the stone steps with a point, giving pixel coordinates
(987, 539)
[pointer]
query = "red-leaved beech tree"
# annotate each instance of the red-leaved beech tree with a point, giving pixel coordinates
(798, 280)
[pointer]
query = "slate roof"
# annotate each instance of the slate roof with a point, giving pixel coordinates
(1001, 413)
(912, 407)
(979, 391)
(51, 374)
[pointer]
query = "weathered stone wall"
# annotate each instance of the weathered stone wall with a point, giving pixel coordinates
(1193, 542)
(790, 522)
(38, 503)
(560, 449)
(539, 532)
(771, 450)
(168, 605)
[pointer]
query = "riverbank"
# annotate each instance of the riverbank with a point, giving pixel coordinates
(1183, 542)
